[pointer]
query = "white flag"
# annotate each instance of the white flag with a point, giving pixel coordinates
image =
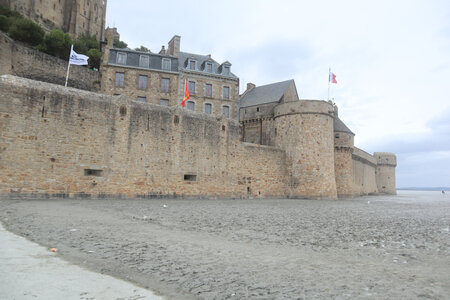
(77, 59)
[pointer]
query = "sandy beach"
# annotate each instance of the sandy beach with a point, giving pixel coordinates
(368, 247)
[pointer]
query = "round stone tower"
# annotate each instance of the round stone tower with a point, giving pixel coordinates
(343, 162)
(304, 129)
(385, 173)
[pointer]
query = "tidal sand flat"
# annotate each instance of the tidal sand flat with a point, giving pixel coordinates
(366, 247)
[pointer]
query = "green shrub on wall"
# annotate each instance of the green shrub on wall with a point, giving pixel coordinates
(84, 43)
(27, 31)
(57, 43)
(94, 58)
(4, 23)
(120, 44)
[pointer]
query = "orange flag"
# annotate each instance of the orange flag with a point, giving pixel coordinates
(186, 93)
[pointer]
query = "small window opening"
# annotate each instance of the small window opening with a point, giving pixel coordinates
(190, 177)
(257, 109)
(336, 135)
(92, 172)
(223, 127)
(123, 110)
(176, 119)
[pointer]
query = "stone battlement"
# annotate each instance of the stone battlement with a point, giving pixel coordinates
(56, 140)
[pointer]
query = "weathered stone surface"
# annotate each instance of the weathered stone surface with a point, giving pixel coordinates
(63, 141)
(66, 141)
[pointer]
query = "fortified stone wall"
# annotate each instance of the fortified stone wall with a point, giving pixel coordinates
(386, 163)
(343, 163)
(305, 132)
(67, 141)
(364, 166)
(258, 124)
(19, 60)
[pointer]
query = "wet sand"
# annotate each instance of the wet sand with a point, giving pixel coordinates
(368, 247)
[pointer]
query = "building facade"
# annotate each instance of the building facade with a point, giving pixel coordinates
(76, 17)
(160, 78)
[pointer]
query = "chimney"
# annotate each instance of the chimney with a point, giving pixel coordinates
(174, 46)
(163, 50)
(109, 45)
(250, 86)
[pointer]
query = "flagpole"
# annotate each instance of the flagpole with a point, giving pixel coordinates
(329, 73)
(68, 67)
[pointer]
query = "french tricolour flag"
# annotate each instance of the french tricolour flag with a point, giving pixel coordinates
(332, 78)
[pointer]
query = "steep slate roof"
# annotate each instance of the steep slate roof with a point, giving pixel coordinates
(339, 126)
(201, 59)
(155, 60)
(265, 93)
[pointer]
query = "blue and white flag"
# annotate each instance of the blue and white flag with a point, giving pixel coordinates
(77, 59)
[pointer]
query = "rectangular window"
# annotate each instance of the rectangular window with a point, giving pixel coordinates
(190, 105)
(143, 82)
(141, 99)
(120, 78)
(208, 108)
(165, 85)
(144, 61)
(191, 87)
(226, 111)
(192, 65)
(164, 102)
(122, 58)
(208, 90)
(209, 67)
(226, 92)
(166, 64)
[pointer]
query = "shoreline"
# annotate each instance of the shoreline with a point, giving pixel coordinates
(201, 249)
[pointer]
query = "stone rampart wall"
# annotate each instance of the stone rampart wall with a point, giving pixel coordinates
(364, 167)
(19, 60)
(66, 141)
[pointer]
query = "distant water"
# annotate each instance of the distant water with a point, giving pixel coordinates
(422, 195)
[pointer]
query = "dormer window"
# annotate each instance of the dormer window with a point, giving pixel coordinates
(226, 70)
(144, 61)
(166, 64)
(121, 58)
(209, 67)
(192, 65)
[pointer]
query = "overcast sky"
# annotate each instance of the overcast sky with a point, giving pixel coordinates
(391, 58)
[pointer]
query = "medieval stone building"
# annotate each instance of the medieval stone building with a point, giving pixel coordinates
(73, 16)
(160, 78)
(316, 141)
